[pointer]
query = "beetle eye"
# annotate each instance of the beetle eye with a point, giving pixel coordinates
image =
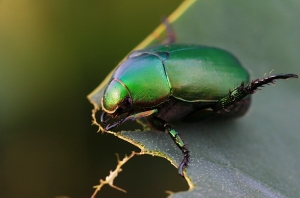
(126, 104)
(124, 107)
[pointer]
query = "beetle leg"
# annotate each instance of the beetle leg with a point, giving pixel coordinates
(140, 115)
(127, 117)
(171, 36)
(181, 145)
(242, 91)
(162, 125)
(110, 126)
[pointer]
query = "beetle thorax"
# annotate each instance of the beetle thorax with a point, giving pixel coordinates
(114, 96)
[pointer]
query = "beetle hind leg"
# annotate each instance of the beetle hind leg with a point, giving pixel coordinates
(171, 36)
(243, 90)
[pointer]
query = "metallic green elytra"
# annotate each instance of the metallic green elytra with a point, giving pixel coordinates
(167, 83)
(149, 77)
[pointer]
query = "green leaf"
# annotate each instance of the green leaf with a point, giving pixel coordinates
(258, 154)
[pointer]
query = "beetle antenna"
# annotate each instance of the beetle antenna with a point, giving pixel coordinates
(110, 126)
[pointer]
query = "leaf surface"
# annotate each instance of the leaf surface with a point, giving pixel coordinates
(258, 154)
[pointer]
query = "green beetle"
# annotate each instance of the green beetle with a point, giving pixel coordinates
(167, 83)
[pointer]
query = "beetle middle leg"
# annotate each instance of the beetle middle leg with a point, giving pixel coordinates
(161, 125)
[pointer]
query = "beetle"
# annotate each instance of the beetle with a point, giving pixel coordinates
(167, 83)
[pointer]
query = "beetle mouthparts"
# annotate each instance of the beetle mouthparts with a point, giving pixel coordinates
(107, 126)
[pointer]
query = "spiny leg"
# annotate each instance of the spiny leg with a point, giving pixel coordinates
(162, 125)
(242, 91)
(132, 117)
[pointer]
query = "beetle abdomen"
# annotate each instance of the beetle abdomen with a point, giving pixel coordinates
(203, 74)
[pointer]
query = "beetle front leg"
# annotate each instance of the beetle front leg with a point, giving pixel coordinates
(128, 117)
(242, 91)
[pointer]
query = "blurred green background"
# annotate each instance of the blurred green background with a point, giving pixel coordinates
(52, 54)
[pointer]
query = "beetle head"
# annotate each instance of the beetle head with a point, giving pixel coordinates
(116, 99)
